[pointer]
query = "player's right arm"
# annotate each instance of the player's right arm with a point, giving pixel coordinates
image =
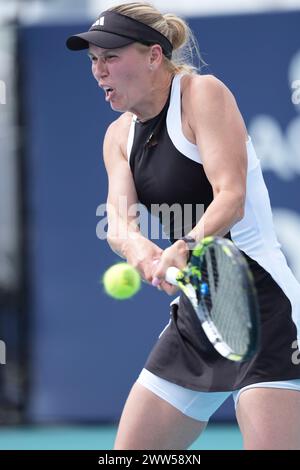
(124, 236)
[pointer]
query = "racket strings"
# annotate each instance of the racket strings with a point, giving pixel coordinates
(226, 299)
(234, 319)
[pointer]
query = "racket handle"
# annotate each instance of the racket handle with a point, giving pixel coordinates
(171, 275)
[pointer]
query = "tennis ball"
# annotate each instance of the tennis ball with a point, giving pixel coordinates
(121, 281)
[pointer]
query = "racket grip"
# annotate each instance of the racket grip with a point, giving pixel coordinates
(171, 275)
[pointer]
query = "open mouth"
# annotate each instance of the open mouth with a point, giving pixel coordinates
(108, 92)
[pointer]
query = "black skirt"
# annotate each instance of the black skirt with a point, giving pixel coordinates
(183, 355)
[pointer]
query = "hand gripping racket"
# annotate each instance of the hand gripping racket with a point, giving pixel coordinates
(220, 287)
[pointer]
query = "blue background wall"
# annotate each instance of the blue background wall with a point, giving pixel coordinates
(86, 349)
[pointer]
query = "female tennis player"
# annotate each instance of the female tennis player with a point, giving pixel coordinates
(181, 140)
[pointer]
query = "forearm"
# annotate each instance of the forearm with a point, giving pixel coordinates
(121, 235)
(225, 210)
(129, 243)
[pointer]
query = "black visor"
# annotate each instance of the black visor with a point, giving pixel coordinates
(113, 30)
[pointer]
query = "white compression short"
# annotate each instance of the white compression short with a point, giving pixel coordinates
(201, 405)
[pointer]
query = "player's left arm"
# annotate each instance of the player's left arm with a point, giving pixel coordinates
(220, 134)
(218, 129)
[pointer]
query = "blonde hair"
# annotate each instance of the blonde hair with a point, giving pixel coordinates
(185, 46)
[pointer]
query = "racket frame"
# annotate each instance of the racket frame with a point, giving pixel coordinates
(181, 278)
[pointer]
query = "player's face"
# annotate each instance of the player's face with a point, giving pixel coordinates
(123, 74)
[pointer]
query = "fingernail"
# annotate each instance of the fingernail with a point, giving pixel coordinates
(155, 281)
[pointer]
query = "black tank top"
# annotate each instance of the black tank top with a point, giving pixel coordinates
(183, 355)
(163, 175)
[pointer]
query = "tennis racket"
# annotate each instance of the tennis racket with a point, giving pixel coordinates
(219, 284)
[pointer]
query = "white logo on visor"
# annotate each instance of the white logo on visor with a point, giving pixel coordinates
(99, 22)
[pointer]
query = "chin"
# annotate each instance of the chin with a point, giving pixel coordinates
(117, 108)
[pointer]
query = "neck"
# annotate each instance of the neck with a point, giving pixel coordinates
(156, 97)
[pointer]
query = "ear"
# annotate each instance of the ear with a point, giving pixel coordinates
(156, 56)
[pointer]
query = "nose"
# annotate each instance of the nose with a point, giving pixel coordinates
(99, 69)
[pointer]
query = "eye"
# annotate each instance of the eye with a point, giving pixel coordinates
(110, 56)
(104, 59)
(92, 58)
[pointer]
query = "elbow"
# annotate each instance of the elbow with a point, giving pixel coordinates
(234, 201)
(240, 209)
(240, 214)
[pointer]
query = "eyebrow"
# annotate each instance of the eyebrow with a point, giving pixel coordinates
(103, 54)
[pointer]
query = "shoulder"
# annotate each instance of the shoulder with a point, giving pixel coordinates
(119, 129)
(209, 105)
(116, 135)
(207, 89)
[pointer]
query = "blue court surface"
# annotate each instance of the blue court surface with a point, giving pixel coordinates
(215, 437)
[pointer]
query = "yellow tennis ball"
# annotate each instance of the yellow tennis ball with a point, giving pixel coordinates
(121, 281)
